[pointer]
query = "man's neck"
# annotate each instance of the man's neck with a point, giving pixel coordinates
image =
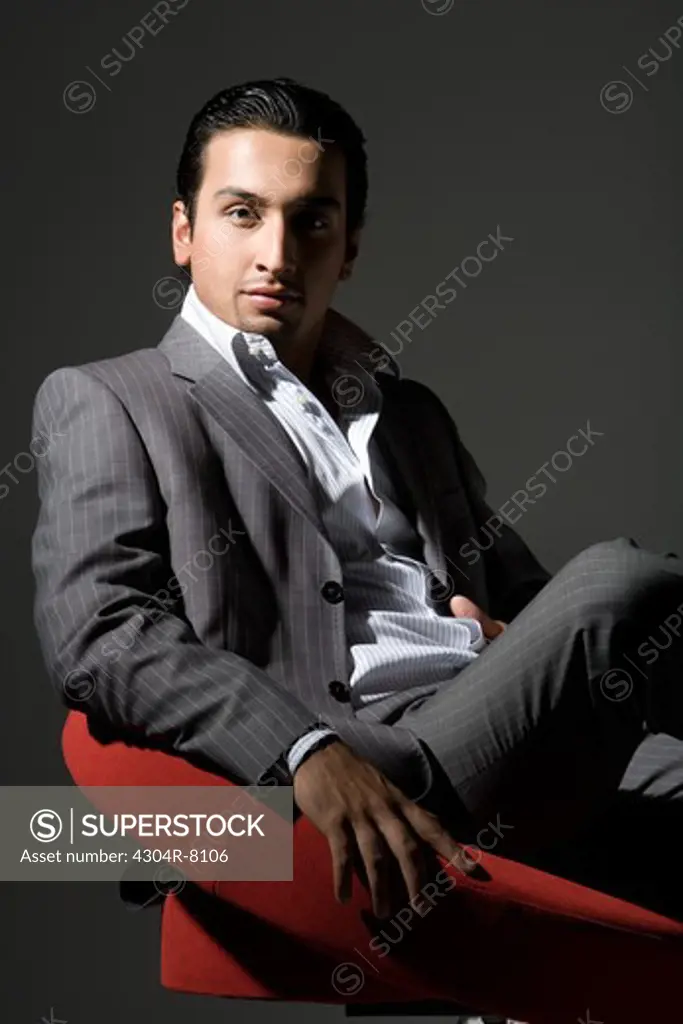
(303, 359)
(319, 385)
(300, 363)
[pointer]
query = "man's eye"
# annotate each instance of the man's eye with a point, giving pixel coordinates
(315, 221)
(240, 209)
(309, 221)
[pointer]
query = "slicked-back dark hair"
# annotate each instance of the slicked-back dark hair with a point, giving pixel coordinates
(282, 105)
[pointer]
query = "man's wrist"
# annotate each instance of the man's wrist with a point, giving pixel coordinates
(313, 739)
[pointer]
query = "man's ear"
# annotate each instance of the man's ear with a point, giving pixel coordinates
(352, 246)
(181, 235)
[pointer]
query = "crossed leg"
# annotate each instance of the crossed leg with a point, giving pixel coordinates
(560, 719)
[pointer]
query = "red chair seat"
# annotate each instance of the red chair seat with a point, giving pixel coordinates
(520, 942)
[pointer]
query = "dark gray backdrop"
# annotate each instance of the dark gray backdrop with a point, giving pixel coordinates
(487, 114)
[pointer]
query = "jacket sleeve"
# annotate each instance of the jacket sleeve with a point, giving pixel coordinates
(513, 573)
(100, 558)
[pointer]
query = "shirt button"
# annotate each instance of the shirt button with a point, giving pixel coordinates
(333, 592)
(340, 691)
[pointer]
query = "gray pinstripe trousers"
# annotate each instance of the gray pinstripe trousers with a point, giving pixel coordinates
(565, 737)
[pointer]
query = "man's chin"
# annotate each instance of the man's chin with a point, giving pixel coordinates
(273, 321)
(269, 325)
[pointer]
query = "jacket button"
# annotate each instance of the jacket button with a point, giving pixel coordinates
(340, 691)
(333, 592)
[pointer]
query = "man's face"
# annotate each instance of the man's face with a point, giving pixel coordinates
(271, 211)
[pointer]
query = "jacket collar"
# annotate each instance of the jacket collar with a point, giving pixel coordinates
(345, 344)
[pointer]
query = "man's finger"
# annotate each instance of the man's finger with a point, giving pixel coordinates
(493, 628)
(342, 866)
(407, 848)
(373, 851)
(462, 607)
(433, 832)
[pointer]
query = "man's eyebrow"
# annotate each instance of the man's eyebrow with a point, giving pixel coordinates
(240, 193)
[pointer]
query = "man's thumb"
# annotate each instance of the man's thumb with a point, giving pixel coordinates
(462, 608)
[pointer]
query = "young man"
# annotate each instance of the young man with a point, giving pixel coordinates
(355, 626)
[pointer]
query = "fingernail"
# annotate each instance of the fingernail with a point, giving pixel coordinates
(464, 862)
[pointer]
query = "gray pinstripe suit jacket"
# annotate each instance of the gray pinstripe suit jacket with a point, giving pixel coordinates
(159, 455)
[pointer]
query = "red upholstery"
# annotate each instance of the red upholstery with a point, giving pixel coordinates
(522, 943)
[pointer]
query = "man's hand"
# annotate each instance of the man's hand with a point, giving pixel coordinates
(463, 608)
(371, 824)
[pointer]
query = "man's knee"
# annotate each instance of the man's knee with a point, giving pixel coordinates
(617, 575)
(597, 561)
(616, 548)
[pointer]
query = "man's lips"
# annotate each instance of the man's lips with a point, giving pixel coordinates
(274, 291)
(272, 300)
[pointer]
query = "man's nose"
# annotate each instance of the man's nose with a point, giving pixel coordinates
(277, 253)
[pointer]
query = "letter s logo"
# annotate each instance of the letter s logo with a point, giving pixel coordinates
(46, 825)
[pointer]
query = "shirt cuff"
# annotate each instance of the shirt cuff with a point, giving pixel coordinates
(304, 745)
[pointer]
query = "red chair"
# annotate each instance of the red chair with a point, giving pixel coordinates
(517, 942)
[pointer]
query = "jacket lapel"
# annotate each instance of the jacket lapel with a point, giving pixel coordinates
(240, 414)
(404, 441)
(395, 433)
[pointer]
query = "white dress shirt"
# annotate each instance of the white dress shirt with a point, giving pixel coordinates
(396, 639)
